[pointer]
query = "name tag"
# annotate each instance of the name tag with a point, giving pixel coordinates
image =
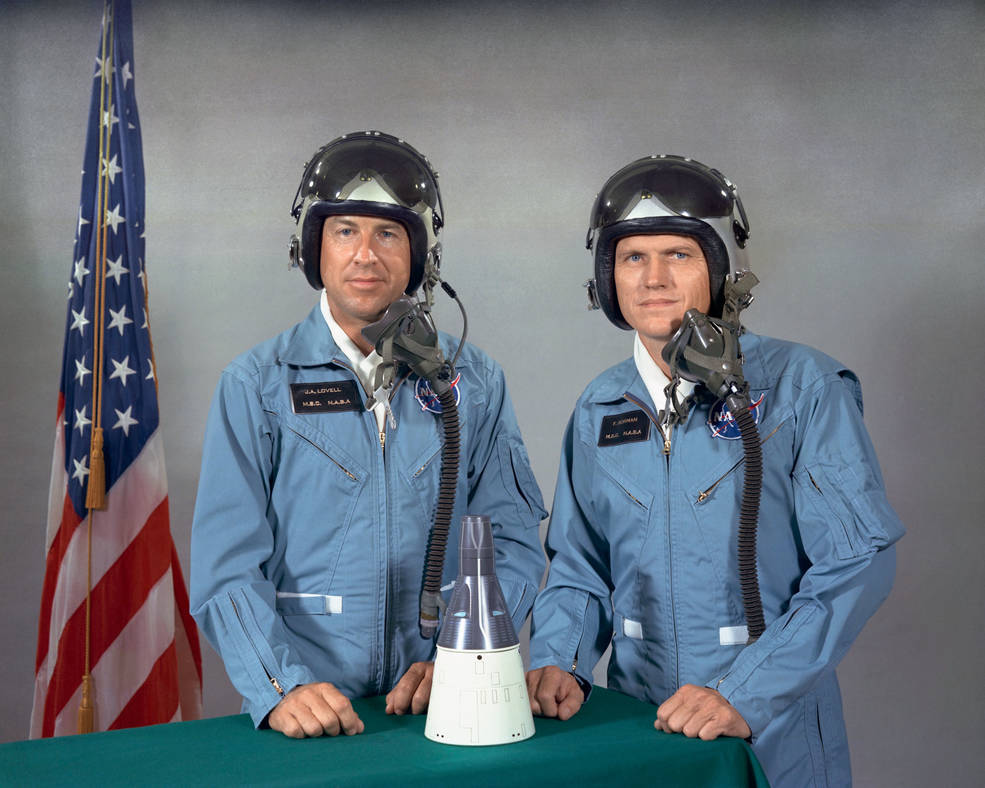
(624, 428)
(331, 397)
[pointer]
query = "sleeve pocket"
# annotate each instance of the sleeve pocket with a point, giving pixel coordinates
(513, 456)
(854, 505)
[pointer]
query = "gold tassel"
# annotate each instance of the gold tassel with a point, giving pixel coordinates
(86, 711)
(96, 492)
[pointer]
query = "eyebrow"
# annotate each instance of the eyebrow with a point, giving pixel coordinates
(381, 224)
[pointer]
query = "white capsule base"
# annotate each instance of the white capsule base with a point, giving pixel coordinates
(479, 698)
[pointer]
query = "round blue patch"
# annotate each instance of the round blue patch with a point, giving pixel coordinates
(429, 400)
(722, 424)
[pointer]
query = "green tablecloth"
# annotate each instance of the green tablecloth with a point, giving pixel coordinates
(610, 741)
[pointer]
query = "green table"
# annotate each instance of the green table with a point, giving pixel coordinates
(610, 741)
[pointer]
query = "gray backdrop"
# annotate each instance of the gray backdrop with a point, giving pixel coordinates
(854, 130)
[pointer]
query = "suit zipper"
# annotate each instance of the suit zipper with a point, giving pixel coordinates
(387, 590)
(670, 572)
(670, 548)
(270, 676)
(388, 593)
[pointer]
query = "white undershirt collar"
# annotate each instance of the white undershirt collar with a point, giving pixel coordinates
(654, 378)
(364, 366)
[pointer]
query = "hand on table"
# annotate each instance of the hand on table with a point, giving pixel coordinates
(554, 693)
(313, 710)
(700, 712)
(413, 691)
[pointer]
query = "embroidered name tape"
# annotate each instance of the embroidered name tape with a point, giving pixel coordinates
(332, 396)
(624, 428)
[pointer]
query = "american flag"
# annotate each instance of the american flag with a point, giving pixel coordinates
(114, 605)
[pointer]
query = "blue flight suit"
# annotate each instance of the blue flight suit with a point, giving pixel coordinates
(657, 534)
(310, 534)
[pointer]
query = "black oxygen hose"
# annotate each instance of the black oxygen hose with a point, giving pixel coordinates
(438, 537)
(738, 405)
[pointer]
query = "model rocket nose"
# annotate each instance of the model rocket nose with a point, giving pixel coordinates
(477, 617)
(476, 554)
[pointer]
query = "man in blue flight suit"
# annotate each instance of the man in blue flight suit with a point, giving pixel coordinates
(643, 532)
(313, 513)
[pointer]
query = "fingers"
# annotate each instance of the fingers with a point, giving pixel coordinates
(413, 691)
(570, 701)
(342, 706)
(533, 682)
(419, 703)
(553, 693)
(666, 710)
(542, 687)
(700, 712)
(314, 710)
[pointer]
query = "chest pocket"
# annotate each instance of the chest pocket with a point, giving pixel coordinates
(423, 475)
(623, 501)
(725, 479)
(417, 453)
(715, 500)
(316, 490)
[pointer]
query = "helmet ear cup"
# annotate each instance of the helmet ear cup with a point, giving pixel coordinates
(310, 264)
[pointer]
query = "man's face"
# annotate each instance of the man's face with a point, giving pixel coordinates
(658, 278)
(365, 266)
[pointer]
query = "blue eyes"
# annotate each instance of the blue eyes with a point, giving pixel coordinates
(349, 232)
(677, 256)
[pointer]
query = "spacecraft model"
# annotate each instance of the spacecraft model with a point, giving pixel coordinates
(479, 692)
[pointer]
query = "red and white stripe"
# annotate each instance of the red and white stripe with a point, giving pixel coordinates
(144, 651)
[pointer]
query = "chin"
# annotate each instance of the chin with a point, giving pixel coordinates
(660, 332)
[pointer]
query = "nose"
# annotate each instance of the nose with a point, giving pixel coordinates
(656, 274)
(364, 251)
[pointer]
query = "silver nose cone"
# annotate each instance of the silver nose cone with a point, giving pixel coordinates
(477, 618)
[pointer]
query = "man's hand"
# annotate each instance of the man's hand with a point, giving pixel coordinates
(413, 691)
(700, 712)
(313, 710)
(554, 693)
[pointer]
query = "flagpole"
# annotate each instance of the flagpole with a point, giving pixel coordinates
(96, 488)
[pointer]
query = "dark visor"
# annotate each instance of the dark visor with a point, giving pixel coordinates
(687, 188)
(332, 170)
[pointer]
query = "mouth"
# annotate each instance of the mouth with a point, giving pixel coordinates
(657, 303)
(365, 282)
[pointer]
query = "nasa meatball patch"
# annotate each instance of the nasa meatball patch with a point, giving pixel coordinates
(429, 400)
(722, 423)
